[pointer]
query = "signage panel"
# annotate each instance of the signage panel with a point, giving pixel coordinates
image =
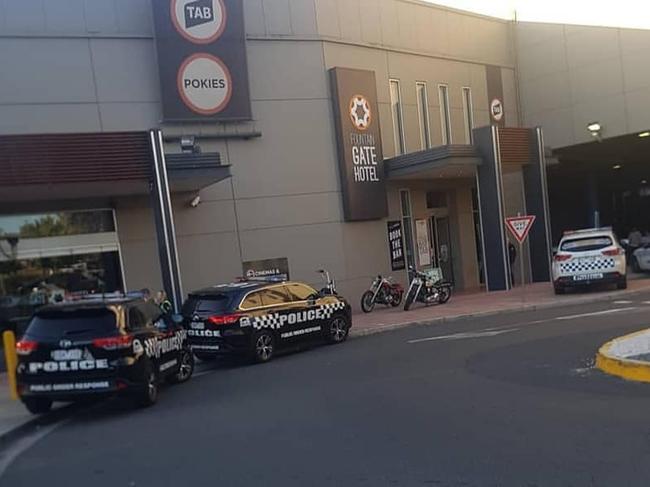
(361, 160)
(202, 60)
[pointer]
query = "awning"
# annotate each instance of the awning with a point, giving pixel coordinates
(447, 161)
(95, 165)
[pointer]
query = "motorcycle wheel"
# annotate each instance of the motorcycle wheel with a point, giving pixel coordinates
(367, 303)
(410, 297)
(397, 299)
(445, 295)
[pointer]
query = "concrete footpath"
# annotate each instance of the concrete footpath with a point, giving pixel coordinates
(462, 306)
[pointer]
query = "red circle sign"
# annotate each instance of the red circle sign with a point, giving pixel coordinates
(204, 84)
(199, 21)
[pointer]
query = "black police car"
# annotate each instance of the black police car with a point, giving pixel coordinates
(256, 318)
(74, 350)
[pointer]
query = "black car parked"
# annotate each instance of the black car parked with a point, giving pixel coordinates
(255, 318)
(92, 347)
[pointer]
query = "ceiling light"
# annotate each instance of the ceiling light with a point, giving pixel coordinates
(594, 127)
(644, 181)
(617, 166)
(644, 134)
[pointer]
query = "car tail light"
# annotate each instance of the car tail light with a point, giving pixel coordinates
(224, 320)
(612, 253)
(562, 257)
(113, 343)
(25, 347)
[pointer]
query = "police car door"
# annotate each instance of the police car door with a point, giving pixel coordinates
(171, 338)
(305, 320)
(276, 307)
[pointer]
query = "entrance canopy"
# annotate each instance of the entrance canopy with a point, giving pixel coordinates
(54, 167)
(447, 161)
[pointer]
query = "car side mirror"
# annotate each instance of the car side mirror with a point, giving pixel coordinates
(313, 298)
(177, 319)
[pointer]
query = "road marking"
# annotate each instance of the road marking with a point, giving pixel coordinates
(9, 455)
(623, 302)
(465, 336)
(597, 313)
(646, 302)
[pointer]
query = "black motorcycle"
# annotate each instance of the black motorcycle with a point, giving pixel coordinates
(428, 288)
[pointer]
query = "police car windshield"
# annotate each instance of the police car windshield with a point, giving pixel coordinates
(586, 244)
(214, 304)
(77, 324)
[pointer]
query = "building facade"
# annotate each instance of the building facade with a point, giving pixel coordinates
(265, 188)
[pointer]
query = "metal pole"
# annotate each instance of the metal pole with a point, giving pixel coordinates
(523, 271)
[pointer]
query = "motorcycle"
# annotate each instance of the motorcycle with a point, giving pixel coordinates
(427, 288)
(330, 285)
(383, 290)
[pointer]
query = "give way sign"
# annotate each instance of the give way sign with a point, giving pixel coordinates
(520, 226)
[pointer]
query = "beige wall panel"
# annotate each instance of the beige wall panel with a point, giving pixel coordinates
(257, 213)
(349, 12)
(254, 17)
(510, 97)
(547, 92)
(208, 259)
(141, 264)
(557, 124)
(365, 246)
(529, 33)
(594, 81)
(280, 70)
(209, 217)
(135, 220)
(457, 126)
(277, 16)
(295, 155)
(636, 69)
(337, 55)
(370, 21)
(638, 110)
(478, 83)
(609, 111)
(481, 117)
(303, 17)
(411, 127)
(586, 45)
(389, 23)
(327, 18)
(308, 248)
(407, 17)
(632, 40)
(387, 140)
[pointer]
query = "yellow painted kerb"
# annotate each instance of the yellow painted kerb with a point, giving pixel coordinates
(634, 370)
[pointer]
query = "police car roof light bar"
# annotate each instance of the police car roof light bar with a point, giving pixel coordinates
(588, 230)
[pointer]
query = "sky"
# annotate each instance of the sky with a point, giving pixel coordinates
(618, 13)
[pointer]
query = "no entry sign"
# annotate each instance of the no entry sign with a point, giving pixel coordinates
(520, 226)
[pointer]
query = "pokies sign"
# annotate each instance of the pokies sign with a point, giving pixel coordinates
(360, 153)
(202, 60)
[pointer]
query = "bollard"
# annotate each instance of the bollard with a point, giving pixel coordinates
(9, 340)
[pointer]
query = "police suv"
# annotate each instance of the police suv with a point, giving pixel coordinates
(255, 318)
(92, 347)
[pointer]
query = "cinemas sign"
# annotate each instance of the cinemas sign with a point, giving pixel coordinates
(361, 160)
(202, 60)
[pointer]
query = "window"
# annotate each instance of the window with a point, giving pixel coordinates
(137, 319)
(445, 117)
(407, 224)
(215, 304)
(253, 300)
(423, 114)
(469, 117)
(398, 123)
(274, 296)
(300, 292)
(436, 199)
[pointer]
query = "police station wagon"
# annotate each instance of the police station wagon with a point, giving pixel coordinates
(256, 318)
(100, 346)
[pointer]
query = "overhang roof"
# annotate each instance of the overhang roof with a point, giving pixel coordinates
(447, 161)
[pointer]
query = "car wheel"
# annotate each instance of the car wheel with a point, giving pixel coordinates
(37, 405)
(147, 394)
(263, 346)
(367, 303)
(185, 369)
(338, 329)
(622, 284)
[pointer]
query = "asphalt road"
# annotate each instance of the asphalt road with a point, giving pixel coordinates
(501, 401)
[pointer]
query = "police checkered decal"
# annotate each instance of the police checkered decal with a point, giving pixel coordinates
(584, 265)
(275, 321)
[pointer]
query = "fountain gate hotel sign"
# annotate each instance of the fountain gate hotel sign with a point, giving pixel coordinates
(361, 160)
